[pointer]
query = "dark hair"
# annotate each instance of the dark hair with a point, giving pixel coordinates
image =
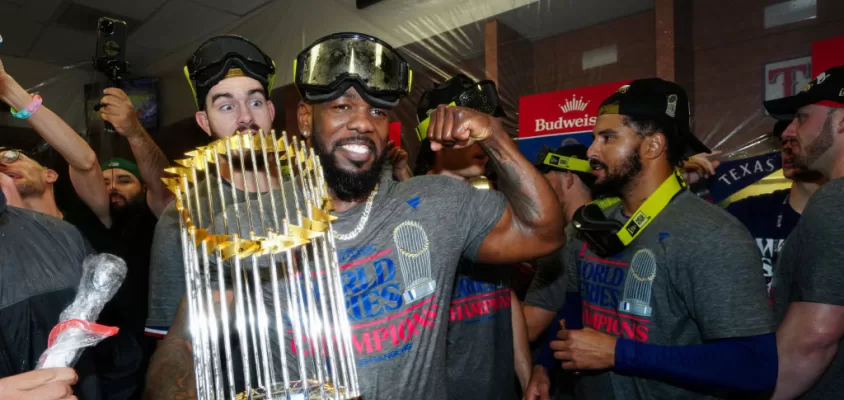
(644, 126)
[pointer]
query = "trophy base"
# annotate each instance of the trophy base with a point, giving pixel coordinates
(296, 392)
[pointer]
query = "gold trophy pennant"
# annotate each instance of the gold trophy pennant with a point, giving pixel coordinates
(262, 247)
(174, 185)
(322, 215)
(181, 171)
(238, 248)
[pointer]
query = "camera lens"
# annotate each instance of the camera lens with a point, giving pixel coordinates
(107, 28)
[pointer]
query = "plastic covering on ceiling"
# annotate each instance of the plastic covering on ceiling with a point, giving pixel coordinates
(540, 46)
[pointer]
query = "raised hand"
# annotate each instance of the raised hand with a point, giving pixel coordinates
(459, 127)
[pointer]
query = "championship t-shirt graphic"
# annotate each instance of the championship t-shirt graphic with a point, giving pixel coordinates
(616, 297)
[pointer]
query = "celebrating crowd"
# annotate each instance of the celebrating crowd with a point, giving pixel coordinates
(640, 289)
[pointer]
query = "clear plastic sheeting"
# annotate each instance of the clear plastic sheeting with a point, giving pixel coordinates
(724, 53)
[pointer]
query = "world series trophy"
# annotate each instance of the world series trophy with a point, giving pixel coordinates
(290, 337)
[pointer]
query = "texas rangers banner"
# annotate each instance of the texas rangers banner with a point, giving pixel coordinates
(559, 118)
(732, 176)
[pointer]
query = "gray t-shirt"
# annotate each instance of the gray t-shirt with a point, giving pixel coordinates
(480, 334)
(397, 276)
(809, 270)
(166, 270)
(40, 268)
(691, 276)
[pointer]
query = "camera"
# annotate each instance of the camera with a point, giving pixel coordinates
(110, 56)
(106, 27)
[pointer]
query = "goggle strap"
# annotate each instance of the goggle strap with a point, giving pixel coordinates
(566, 163)
(192, 87)
(271, 80)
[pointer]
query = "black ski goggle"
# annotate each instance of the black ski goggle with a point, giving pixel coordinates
(327, 68)
(219, 56)
(483, 96)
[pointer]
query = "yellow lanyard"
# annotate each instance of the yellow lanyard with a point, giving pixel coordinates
(652, 206)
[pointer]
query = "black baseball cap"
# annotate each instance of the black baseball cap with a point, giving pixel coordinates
(661, 100)
(577, 151)
(827, 89)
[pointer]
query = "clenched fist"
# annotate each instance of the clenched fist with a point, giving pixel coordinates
(459, 127)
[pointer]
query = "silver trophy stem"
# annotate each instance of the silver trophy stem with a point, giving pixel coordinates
(274, 267)
(263, 326)
(256, 350)
(237, 275)
(344, 327)
(221, 283)
(186, 257)
(210, 325)
(295, 303)
(313, 329)
(318, 264)
(198, 323)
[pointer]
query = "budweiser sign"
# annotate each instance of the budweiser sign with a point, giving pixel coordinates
(556, 119)
(566, 111)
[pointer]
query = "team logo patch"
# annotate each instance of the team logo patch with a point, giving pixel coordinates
(414, 202)
(638, 285)
(671, 109)
(415, 261)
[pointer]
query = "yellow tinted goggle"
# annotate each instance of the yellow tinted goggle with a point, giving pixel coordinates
(422, 128)
(567, 163)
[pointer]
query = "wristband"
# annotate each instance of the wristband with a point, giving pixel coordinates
(30, 109)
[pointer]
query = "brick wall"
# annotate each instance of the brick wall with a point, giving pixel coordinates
(558, 59)
(731, 48)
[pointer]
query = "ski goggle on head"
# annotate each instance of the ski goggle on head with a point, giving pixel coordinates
(481, 96)
(224, 57)
(547, 158)
(327, 68)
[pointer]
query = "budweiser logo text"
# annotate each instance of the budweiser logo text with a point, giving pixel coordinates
(560, 123)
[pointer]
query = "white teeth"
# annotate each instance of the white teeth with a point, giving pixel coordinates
(356, 148)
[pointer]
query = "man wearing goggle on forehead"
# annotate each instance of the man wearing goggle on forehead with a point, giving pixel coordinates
(347, 82)
(231, 79)
(673, 305)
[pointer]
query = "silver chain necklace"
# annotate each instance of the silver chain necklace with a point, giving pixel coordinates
(363, 219)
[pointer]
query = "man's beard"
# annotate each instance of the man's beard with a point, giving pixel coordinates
(122, 212)
(348, 185)
(815, 150)
(614, 183)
